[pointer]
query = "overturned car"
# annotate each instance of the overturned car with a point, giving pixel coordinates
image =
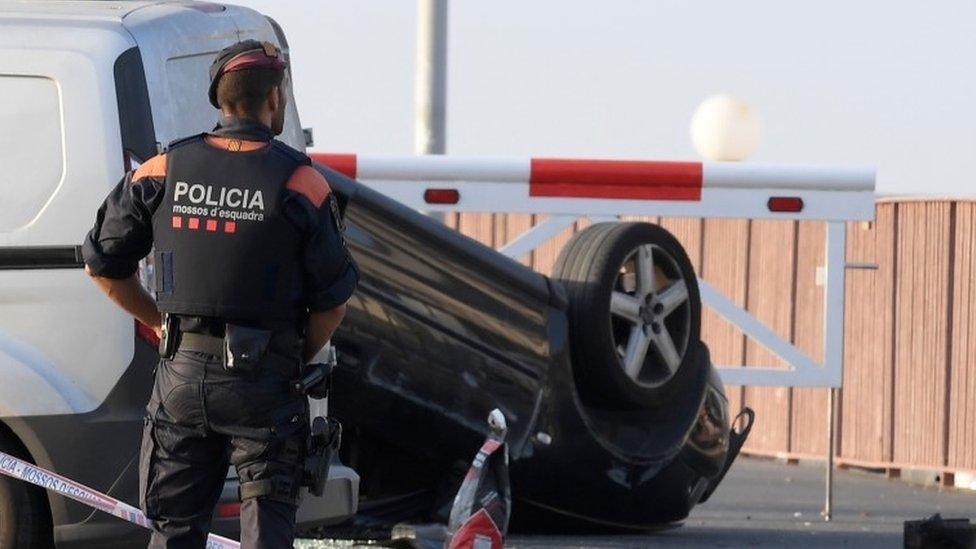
(616, 416)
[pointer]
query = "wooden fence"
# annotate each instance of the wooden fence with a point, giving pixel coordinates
(909, 395)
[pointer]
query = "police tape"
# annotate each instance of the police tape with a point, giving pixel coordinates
(28, 472)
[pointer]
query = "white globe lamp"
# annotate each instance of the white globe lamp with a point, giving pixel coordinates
(725, 128)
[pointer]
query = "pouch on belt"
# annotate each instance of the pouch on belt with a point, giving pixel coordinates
(244, 348)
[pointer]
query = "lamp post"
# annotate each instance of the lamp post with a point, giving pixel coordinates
(430, 89)
(430, 85)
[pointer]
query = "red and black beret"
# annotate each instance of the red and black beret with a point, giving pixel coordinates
(247, 54)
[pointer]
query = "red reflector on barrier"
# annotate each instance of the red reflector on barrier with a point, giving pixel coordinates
(147, 334)
(442, 196)
(228, 510)
(785, 204)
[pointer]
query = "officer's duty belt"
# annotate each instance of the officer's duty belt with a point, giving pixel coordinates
(282, 343)
(201, 343)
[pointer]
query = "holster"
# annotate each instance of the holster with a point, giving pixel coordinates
(170, 338)
(323, 443)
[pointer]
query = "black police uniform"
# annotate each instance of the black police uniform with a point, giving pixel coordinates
(241, 241)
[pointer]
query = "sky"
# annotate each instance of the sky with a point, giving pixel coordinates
(889, 84)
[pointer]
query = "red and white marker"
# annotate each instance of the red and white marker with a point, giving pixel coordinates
(28, 472)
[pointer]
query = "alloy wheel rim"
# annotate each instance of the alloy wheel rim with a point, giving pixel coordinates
(650, 316)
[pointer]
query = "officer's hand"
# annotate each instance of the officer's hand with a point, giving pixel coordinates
(156, 329)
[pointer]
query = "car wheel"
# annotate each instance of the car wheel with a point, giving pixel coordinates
(634, 313)
(25, 522)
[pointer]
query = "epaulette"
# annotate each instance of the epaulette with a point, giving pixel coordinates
(184, 141)
(295, 155)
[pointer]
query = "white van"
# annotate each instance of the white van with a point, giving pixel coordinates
(87, 91)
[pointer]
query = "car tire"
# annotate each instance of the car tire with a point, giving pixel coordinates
(632, 290)
(25, 521)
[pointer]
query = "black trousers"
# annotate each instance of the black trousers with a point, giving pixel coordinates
(199, 420)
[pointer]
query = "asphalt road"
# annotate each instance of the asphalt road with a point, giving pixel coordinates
(771, 504)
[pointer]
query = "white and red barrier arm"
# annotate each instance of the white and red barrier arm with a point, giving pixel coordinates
(615, 187)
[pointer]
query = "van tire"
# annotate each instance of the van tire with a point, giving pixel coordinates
(25, 520)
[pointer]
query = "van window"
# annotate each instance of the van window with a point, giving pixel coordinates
(189, 79)
(31, 152)
(135, 114)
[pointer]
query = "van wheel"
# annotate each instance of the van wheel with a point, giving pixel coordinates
(634, 313)
(25, 521)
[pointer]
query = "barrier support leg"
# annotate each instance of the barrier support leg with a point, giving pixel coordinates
(829, 488)
(834, 295)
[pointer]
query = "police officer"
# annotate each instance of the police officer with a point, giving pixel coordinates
(251, 279)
